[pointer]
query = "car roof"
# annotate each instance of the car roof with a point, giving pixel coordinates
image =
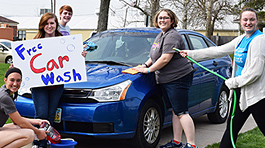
(5, 40)
(148, 30)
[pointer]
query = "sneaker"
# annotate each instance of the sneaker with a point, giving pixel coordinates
(189, 146)
(171, 144)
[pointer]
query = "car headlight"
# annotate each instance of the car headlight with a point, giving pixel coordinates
(112, 93)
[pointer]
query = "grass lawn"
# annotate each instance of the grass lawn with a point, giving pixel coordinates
(250, 139)
(3, 68)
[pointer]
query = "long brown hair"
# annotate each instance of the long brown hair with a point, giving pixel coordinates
(43, 22)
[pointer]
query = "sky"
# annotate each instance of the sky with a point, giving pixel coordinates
(11, 8)
(23, 8)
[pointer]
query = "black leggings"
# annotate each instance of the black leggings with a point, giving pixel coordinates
(257, 111)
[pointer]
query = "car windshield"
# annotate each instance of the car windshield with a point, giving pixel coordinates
(131, 48)
(7, 44)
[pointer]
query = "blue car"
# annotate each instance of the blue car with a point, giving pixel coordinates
(117, 105)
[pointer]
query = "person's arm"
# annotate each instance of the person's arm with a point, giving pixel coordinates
(160, 63)
(23, 123)
(36, 121)
(212, 52)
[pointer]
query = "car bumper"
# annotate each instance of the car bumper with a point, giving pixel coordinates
(116, 120)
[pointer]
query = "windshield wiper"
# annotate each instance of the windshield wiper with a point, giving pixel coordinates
(110, 63)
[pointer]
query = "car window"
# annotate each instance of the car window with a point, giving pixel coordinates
(185, 41)
(7, 44)
(3, 47)
(197, 42)
(210, 44)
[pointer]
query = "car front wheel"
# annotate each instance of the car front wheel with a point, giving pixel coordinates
(9, 60)
(149, 126)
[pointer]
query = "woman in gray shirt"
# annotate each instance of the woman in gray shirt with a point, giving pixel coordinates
(174, 74)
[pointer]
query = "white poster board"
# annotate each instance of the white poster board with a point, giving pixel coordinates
(50, 61)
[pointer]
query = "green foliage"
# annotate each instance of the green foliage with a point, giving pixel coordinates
(3, 68)
(258, 5)
(252, 138)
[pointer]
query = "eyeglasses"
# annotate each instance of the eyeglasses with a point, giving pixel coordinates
(164, 18)
(69, 13)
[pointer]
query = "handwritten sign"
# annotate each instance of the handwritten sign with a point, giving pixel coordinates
(50, 61)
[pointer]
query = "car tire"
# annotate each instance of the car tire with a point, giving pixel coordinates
(149, 126)
(9, 60)
(222, 107)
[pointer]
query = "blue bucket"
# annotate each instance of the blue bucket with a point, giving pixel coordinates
(64, 144)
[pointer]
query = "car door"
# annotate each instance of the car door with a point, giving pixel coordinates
(206, 79)
(2, 53)
(194, 94)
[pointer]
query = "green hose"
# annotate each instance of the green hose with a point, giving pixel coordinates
(234, 105)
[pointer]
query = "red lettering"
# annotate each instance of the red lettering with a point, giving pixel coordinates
(52, 66)
(33, 68)
(60, 58)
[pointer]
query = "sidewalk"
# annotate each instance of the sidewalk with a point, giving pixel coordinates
(206, 132)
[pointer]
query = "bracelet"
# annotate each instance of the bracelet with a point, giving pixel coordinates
(146, 65)
(147, 70)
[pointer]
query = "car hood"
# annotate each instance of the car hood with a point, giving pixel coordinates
(102, 75)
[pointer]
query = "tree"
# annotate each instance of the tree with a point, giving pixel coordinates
(147, 7)
(257, 5)
(183, 9)
(211, 10)
(209, 19)
(103, 15)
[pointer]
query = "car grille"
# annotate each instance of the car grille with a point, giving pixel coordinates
(73, 96)
(84, 127)
(77, 96)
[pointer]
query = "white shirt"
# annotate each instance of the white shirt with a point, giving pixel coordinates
(65, 30)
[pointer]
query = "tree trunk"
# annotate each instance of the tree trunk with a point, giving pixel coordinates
(185, 14)
(209, 19)
(154, 9)
(103, 15)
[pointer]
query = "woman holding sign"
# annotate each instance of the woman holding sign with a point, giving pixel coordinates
(46, 98)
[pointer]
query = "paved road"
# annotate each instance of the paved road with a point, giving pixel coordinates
(206, 134)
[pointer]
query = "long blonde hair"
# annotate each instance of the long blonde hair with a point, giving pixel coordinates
(43, 22)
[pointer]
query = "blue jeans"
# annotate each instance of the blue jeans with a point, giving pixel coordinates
(46, 100)
(176, 94)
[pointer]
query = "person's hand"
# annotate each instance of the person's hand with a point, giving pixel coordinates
(41, 134)
(183, 53)
(141, 69)
(231, 83)
(84, 53)
(42, 121)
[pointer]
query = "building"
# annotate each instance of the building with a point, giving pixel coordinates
(28, 26)
(8, 28)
